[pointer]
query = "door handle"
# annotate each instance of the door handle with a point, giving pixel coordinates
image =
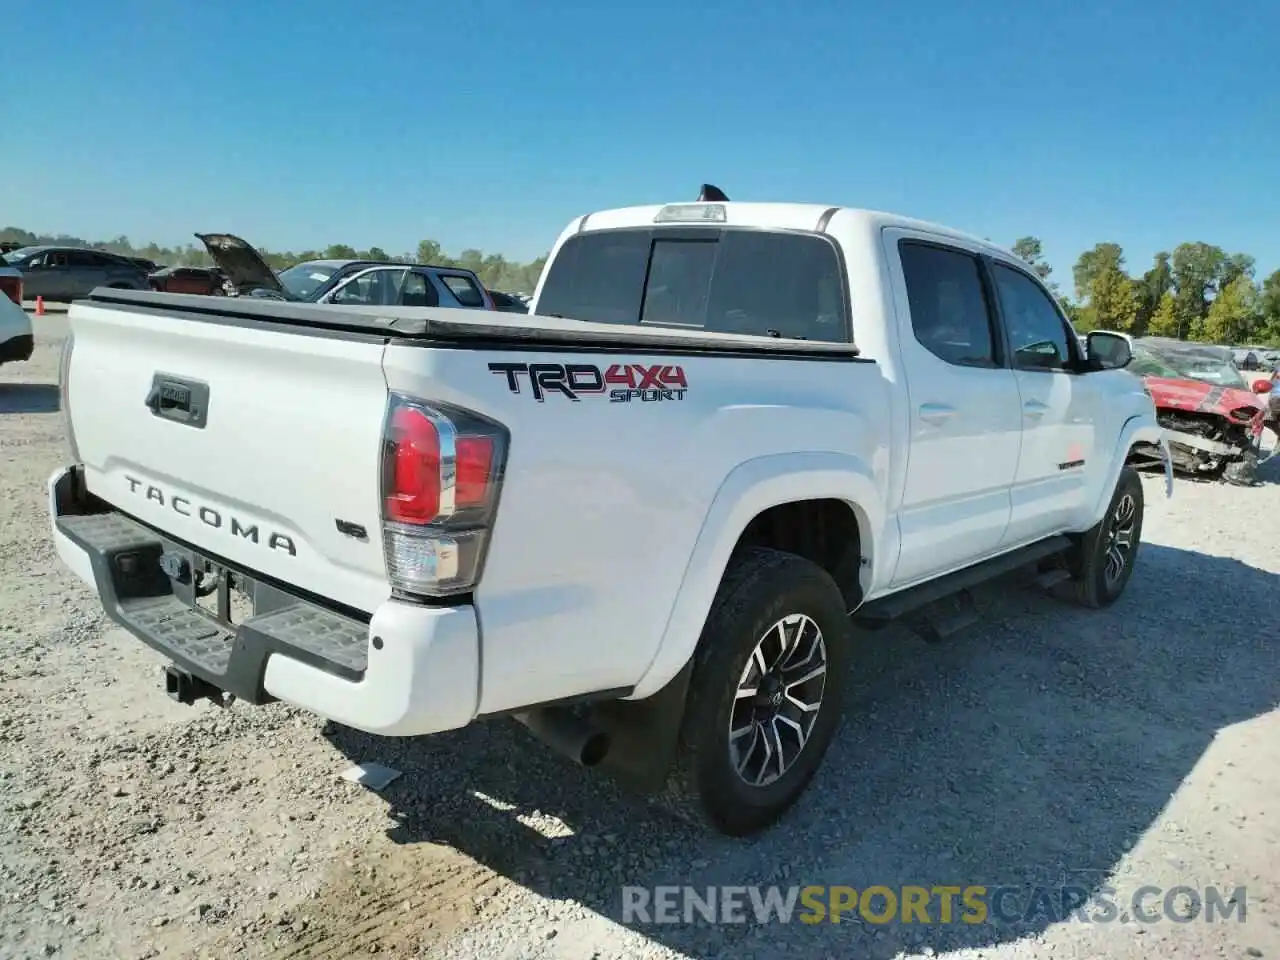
(1035, 409)
(936, 413)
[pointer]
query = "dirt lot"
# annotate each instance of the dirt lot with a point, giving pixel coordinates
(1141, 745)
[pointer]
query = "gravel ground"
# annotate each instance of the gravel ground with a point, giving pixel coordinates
(1139, 745)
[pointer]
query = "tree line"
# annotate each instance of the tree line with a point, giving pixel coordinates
(494, 270)
(1196, 292)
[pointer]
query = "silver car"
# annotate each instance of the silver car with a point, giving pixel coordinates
(68, 273)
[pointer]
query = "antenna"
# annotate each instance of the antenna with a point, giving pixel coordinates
(711, 194)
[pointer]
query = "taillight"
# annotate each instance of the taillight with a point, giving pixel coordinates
(441, 472)
(11, 287)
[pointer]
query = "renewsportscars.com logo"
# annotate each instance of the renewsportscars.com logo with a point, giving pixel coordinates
(624, 382)
(938, 904)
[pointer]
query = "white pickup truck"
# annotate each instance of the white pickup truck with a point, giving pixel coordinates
(644, 520)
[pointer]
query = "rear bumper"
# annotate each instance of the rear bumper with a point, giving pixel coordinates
(407, 670)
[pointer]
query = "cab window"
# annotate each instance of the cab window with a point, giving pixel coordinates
(1038, 336)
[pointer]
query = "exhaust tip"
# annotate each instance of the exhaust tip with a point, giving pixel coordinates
(567, 734)
(594, 749)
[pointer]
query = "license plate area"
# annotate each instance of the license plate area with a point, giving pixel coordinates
(219, 592)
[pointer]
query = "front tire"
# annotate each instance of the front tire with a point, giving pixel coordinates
(1102, 562)
(765, 694)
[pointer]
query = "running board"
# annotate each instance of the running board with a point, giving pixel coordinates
(1051, 578)
(934, 626)
(877, 613)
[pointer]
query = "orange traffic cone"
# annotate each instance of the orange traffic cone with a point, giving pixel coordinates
(39, 306)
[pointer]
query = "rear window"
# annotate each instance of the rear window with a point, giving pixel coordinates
(752, 282)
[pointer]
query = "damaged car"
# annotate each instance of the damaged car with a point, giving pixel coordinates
(1211, 416)
(348, 283)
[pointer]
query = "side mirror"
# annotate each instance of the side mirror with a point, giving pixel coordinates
(1108, 351)
(1262, 386)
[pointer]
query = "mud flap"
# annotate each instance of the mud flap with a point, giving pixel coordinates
(644, 734)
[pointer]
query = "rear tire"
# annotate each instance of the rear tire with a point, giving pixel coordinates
(778, 626)
(1102, 562)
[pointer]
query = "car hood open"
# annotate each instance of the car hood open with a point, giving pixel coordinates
(241, 263)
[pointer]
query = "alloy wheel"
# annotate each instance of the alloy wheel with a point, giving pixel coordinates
(778, 699)
(1120, 539)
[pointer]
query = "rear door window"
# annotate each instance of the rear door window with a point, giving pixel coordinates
(949, 314)
(464, 289)
(753, 282)
(418, 291)
(374, 288)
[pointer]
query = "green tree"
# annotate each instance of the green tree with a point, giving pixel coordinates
(1197, 269)
(1155, 283)
(1115, 301)
(1236, 265)
(1030, 250)
(1164, 321)
(1071, 310)
(429, 252)
(470, 259)
(1269, 310)
(1233, 315)
(1111, 300)
(1102, 257)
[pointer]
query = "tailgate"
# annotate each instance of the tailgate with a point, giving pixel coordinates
(254, 444)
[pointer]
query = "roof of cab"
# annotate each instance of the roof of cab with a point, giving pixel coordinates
(783, 216)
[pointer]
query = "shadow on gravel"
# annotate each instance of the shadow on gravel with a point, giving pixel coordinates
(1035, 748)
(29, 398)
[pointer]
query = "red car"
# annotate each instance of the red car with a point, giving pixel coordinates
(1212, 418)
(201, 280)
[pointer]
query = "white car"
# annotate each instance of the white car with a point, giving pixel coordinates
(642, 519)
(16, 340)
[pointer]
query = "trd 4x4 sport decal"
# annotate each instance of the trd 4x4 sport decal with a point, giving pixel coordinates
(624, 382)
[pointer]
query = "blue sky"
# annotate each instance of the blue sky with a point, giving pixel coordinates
(491, 123)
